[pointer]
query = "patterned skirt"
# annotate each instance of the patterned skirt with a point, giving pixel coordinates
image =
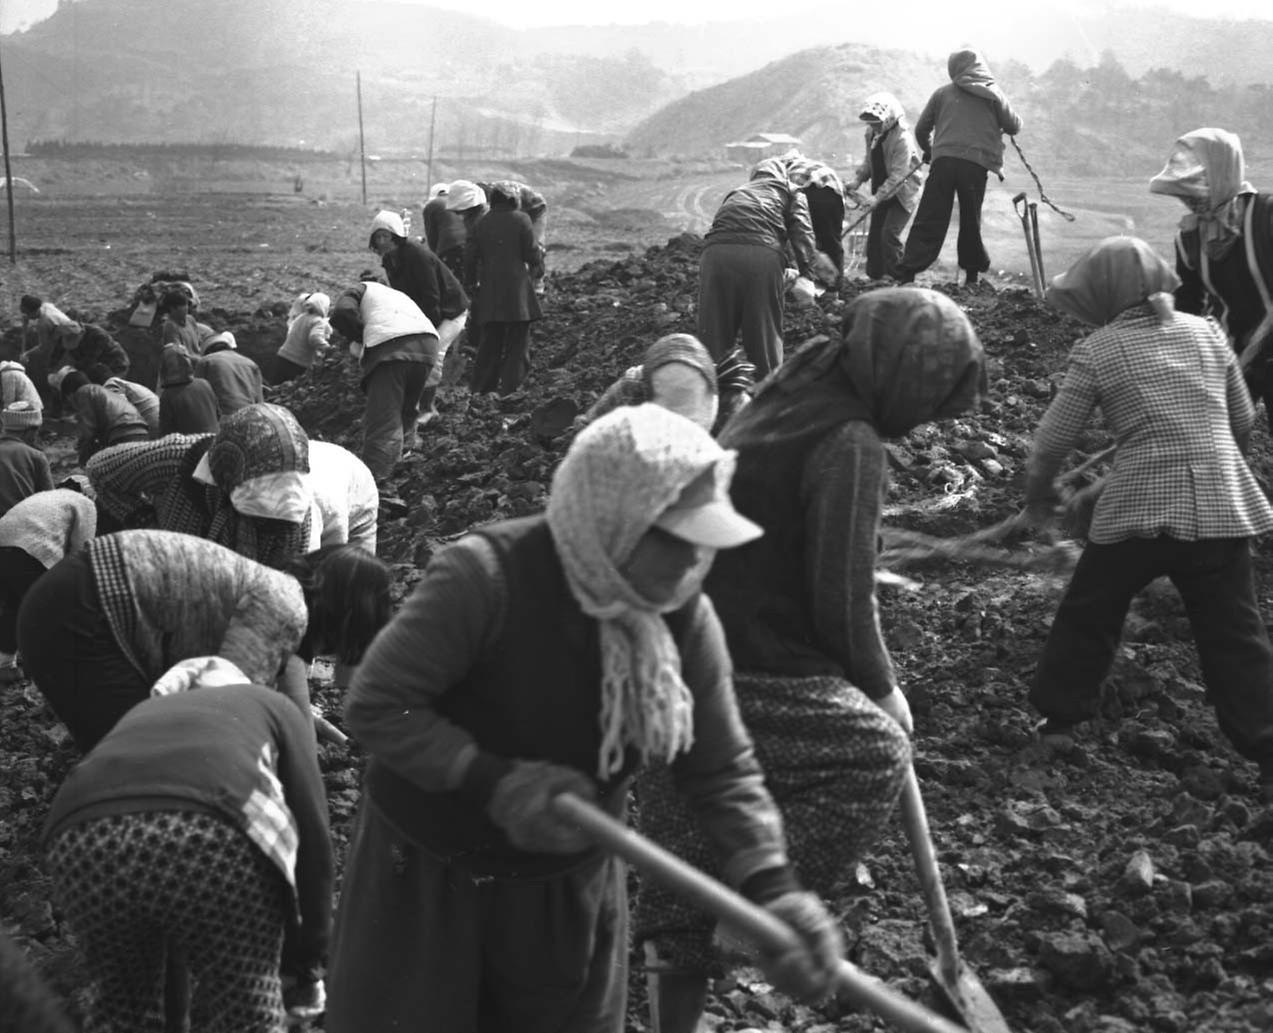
(148, 890)
(834, 763)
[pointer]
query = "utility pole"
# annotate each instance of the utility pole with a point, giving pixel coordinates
(362, 145)
(8, 173)
(433, 125)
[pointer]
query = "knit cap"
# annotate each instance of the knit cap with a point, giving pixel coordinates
(20, 415)
(683, 348)
(464, 194)
(256, 441)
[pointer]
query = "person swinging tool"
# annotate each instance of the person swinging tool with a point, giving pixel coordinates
(890, 166)
(961, 132)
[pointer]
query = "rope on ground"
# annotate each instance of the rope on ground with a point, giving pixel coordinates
(1067, 216)
(905, 547)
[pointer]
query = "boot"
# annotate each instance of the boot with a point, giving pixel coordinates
(970, 277)
(677, 996)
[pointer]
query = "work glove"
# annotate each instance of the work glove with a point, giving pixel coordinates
(803, 291)
(521, 805)
(808, 972)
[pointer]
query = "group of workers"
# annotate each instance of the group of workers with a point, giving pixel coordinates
(692, 621)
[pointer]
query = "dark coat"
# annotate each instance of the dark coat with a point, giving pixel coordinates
(234, 377)
(97, 346)
(188, 409)
(500, 258)
(422, 276)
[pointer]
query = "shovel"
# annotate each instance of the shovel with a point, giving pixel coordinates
(1029, 221)
(743, 916)
(962, 990)
(887, 196)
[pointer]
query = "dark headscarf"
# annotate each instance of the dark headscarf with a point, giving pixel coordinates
(904, 356)
(175, 366)
(1115, 275)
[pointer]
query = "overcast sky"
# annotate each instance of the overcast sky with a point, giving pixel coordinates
(19, 13)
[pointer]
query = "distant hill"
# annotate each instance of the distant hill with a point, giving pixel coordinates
(814, 95)
(1086, 121)
(283, 71)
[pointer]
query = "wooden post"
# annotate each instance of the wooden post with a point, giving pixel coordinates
(433, 125)
(362, 146)
(8, 172)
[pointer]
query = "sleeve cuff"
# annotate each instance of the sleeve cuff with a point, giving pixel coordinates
(477, 784)
(770, 884)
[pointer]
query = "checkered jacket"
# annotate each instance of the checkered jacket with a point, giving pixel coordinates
(1174, 399)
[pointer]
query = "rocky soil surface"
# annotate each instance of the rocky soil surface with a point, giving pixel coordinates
(1120, 881)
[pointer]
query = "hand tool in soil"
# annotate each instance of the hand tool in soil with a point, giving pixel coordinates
(328, 732)
(963, 991)
(879, 200)
(1036, 276)
(741, 915)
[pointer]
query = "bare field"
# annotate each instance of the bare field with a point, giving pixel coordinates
(90, 238)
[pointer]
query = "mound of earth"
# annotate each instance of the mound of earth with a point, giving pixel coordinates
(1119, 881)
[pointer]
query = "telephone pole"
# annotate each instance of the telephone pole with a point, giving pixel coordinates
(362, 145)
(8, 172)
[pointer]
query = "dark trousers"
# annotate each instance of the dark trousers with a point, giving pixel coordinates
(949, 178)
(503, 357)
(826, 212)
(884, 239)
(1215, 580)
(18, 572)
(740, 294)
(393, 391)
(70, 652)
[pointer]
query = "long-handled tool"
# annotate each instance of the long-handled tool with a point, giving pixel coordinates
(963, 990)
(743, 916)
(1031, 245)
(880, 199)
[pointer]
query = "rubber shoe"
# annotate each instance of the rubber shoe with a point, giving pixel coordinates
(1052, 729)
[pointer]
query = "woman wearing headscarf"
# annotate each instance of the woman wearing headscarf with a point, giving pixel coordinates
(678, 373)
(740, 272)
(243, 487)
(502, 259)
(187, 404)
(193, 840)
(824, 193)
(105, 624)
(961, 132)
(1180, 500)
(892, 158)
(1224, 249)
(105, 418)
(816, 685)
(567, 650)
(34, 535)
(308, 336)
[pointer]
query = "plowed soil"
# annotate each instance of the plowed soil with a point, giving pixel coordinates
(1119, 882)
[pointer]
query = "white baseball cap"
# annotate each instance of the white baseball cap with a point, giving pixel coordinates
(702, 517)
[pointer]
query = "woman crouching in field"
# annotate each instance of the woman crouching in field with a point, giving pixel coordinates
(816, 686)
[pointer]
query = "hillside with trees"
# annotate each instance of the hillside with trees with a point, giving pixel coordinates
(1086, 121)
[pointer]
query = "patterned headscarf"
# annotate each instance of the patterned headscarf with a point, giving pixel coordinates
(1115, 275)
(1207, 169)
(257, 441)
(621, 473)
(883, 108)
(904, 356)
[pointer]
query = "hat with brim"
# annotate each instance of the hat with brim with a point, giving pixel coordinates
(701, 517)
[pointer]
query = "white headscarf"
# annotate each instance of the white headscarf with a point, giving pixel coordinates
(1207, 168)
(620, 474)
